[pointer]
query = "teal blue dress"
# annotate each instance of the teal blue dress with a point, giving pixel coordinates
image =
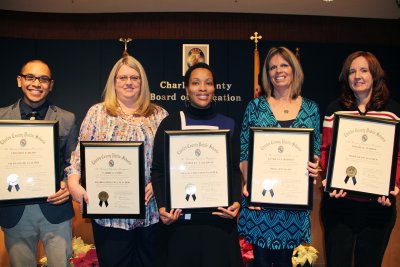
(276, 228)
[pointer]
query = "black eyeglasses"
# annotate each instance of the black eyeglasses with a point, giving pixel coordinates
(32, 78)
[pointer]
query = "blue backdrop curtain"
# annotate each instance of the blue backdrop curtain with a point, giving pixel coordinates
(80, 69)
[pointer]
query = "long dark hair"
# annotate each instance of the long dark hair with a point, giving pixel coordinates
(380, 91)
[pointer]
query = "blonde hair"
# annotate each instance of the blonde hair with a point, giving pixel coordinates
(298, 76)
(146, 108)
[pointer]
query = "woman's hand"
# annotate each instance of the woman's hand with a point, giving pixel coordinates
(169, 217)
(60, 196)
(230, 213)
(385, 201)
(77, 192)
(338, 194)
(335, 193)
(148, 194)
(313, 168)
(246, 194)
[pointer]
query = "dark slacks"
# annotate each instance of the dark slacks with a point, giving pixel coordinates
(118, 247)
(200, 245)
(272, 257)
(356, 231)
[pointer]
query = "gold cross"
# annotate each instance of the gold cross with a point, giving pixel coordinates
(256, 37)
(298, 53)
(125, 41)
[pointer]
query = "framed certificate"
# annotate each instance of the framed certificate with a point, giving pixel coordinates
(29, 161)
(114, 179)
(197, 170)
(363, 155)
(277, 172)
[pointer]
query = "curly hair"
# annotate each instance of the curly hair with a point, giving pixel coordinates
(380, 91)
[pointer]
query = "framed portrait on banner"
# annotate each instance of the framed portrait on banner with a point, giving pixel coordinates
(194, 53)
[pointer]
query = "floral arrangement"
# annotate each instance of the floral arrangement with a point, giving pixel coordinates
(304, 255)
(247, 251)
(83, 255)
(43, 262)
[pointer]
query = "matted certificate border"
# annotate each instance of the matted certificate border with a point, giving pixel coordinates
(192, 192)
(281, 140)
(41, 131)
(136, 148)
(360, 124)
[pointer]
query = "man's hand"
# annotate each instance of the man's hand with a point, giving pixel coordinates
(60, 196)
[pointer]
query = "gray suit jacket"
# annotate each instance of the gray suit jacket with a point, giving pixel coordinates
(68, 135)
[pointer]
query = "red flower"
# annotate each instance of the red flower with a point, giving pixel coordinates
(86, 260)
(246, 249)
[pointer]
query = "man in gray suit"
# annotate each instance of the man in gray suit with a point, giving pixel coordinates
(25, 225)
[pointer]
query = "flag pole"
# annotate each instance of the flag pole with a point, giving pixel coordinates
(256, 89)
(298, 53)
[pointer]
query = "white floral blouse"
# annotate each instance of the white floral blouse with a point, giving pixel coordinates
(98, 125)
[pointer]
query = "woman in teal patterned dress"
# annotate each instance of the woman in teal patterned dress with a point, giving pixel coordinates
(274, 233)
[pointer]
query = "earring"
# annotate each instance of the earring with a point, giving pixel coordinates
(187, 101)
(214, 102)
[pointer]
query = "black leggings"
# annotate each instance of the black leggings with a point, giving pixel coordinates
(267, 257)
(356, 229)
(120, 248)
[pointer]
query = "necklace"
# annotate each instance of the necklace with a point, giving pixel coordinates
(286, 108)
(126, 115)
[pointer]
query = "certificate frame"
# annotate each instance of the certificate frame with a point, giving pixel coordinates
(30, 160)
(372, 136)
(112, 198)
(191, 188)
(274, 173)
